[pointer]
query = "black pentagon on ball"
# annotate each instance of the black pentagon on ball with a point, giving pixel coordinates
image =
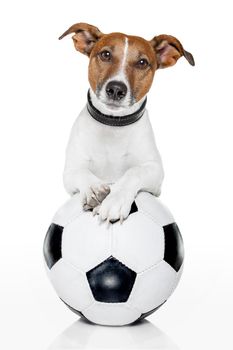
(52, 245)
(134, 208)
(174, 249)
(111, 281)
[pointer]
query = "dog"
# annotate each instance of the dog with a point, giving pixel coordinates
(111, 154)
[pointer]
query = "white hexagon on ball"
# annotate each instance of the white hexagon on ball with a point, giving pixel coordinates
(78, 293)
(138, 242)
(86, 243)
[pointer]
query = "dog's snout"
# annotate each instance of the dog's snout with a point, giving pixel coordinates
(116, 90)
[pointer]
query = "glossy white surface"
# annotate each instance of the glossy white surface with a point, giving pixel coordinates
(151, 205)
(153, 287)
(71, 285)
(81, 335)
(85, 242)
(111, 314)
(69, 211)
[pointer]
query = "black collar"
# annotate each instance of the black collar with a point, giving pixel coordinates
(114, 120)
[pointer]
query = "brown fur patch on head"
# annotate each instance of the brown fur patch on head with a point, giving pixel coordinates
(140, 79)
(99, 70)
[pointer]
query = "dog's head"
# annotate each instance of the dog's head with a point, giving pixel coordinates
(122, 67)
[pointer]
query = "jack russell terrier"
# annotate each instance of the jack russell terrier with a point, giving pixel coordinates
(111, 154)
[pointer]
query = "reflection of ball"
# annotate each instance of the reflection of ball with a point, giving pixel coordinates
(118, 274)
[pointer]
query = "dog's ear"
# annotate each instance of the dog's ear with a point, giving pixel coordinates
(168, 50)
(85, 37)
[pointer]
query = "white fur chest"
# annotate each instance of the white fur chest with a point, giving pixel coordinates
(107, 148)
(109, 151)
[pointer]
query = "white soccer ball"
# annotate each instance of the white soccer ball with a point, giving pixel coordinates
(116, 274)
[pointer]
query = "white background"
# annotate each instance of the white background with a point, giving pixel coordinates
(43, 87)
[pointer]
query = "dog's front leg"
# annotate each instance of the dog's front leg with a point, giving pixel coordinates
(145, 177)
(92, 189)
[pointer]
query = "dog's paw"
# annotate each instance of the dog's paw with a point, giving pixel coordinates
(93, 196)
(116, 206)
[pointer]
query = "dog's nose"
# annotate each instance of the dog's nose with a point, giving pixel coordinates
(116, 90)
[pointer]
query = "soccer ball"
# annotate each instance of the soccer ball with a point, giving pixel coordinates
(116, 274)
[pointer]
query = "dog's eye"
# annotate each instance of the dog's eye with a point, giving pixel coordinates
(142, 63)
(105, 55)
